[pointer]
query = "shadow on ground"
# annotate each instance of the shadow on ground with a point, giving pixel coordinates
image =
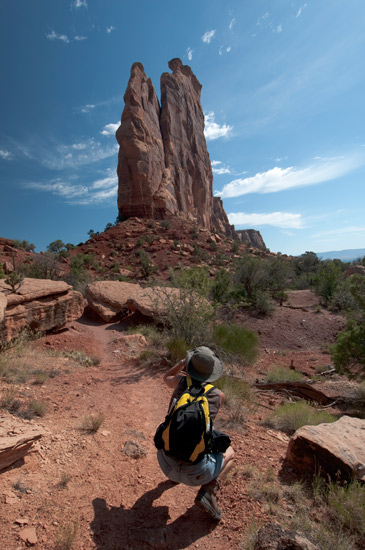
(145, 526)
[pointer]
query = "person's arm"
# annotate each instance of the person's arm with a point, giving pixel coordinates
(173, 376)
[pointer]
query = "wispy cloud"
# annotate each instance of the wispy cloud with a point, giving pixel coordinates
(279, 28)
(219, 169)
(299, 12)
(190, 52)
(55, 36)
(99, 191)
(110, 129)
(261, 20)
(6, 155)
(80, 4)
(208, 36)
(213, 130)
(110, 29)
(231, 23)
(87, 108)
(79, 38)
(224, 49)
(281, 179)
(284, 220)
(56, 156)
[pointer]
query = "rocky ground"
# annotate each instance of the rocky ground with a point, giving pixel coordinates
(108, 484)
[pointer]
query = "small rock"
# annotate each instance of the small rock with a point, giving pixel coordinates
(29, 536)
(21, 521)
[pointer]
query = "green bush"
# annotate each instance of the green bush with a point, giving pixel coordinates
(327, 280)
(292, 416)
(234, 388)
(237, 340)
(23, 245)
(177, 348)
(283, 374)
(221, 286)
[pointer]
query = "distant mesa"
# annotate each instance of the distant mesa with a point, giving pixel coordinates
(164, 168)
(251, 237)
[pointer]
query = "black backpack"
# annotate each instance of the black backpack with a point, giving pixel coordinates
(186, 432)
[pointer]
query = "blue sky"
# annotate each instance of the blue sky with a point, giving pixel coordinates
(283, 97)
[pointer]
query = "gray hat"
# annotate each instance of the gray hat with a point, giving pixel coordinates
(203, 364)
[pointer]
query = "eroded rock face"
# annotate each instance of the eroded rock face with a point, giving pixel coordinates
(252, 237)
(335, 448)
(163, 165)
(273, 537)
(39, 304)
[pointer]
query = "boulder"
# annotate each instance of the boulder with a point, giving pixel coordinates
(273, 537)
(3, 304)
(17, 439)
(38, 305)
(337, 448)
(112, 300)
(163, 164)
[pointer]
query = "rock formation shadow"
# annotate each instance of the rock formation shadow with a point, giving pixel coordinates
(145, 526)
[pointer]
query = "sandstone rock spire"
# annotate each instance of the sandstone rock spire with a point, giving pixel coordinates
(163, 165)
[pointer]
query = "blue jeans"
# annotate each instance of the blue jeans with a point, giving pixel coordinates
(191, 474)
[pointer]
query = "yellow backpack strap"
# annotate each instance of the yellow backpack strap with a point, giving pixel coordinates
(188, 381)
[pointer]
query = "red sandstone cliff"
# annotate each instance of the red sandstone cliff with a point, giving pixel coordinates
(163, 164)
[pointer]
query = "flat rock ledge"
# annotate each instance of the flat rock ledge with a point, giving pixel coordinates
(17, 439)
(336, 448)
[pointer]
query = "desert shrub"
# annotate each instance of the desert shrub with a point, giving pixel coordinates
(305, 269)
(45, 266)
(23, 245)
(196, 279)
(186, 315)
(234, 388)
(64, 480)
(147, 266)
(15, 279)
(292, 416)
(56, 246)
(327, 280)
(40, 377)
(38, 408)
(147, 356)
(236, 340)
(154, 335)
(2, 273)
(221, 286)
(177, 349)
(81, 358)
(350, 345)
(8, 400)
(66, 535)
(347, 504)
(166, 224)
(283, 374)
(92, 423)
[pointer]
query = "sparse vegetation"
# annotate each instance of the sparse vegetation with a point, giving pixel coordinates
(236, 340)
(66, 535)
(37, 408)
(91, 423)
(40, 377)
(283, 374)
(81, 358)
(292, 416)
(64, 480)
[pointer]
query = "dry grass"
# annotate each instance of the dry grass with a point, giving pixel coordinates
(91, 423)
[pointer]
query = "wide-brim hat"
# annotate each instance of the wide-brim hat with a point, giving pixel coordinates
(203, 364)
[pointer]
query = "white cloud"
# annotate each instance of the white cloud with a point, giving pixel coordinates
(80, 38)
(231, 23)
(87, 108)
(279, 28)
(80, 3)
(208, 36)
(55, 36)
(299, 12)
(213, 130)
(216, 162)
(224, 49)
(6, 155)
(262, 18)
(284, 220)
(110, 29)
(281, 179)
(221, 170)
(99, 191)
(79, 146)
(110, 129)
(228, 49)
(190, 52)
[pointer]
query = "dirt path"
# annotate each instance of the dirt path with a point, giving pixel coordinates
(121, 502)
